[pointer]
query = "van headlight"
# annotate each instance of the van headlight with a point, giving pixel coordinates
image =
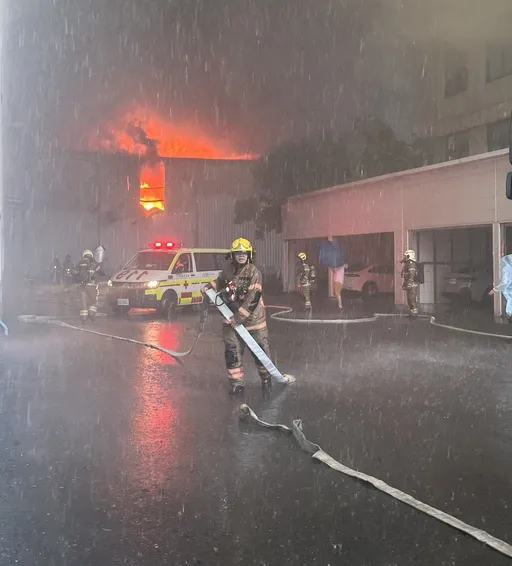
(109, 283)
(152, 284)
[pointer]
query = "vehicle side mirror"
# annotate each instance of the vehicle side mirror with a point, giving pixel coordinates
(508, 185)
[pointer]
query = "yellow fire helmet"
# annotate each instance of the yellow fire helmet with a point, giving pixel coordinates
(87, 253)
(242, 245)
(302, 256)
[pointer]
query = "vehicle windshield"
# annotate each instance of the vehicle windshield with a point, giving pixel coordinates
(158, 260)
(355, 267)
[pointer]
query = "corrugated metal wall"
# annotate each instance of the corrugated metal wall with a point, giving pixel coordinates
(60, 215)
(217, 228)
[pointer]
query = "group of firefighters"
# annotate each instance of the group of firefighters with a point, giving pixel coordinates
(240, 286)
(410, 276)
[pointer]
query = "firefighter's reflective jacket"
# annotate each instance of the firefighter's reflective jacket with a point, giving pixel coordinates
(307, 273)
(410, 274)
(244, 295)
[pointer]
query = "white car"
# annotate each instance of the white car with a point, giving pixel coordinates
(370, 280)
(469, 283)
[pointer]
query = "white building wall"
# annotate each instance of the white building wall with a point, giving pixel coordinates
(468, 192)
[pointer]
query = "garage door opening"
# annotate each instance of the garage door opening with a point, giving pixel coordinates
(371, 269)
(457, 264)
(371, 253)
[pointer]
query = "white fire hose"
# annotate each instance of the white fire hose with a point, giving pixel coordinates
(54, 321)
(316, 452)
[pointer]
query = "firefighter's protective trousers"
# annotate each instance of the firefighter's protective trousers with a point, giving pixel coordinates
(412, 299)
(89, 300)
(234, 348)
(305, 290)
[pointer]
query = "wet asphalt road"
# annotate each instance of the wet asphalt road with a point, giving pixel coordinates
(111, 453)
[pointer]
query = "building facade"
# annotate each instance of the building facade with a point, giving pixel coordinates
(470, 85)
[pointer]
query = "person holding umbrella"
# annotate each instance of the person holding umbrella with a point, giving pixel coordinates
(332, 255)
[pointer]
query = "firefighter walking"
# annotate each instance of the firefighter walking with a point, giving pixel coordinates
(411, 281)
(240, 286)
(307, 277)
(84, 274)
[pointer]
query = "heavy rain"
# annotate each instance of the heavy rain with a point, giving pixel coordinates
(255, 282)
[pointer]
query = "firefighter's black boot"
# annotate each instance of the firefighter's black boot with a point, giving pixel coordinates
(236, 388)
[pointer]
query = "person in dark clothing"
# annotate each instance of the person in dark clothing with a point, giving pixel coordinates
(56, 271)
(67, 269)
(240, 285)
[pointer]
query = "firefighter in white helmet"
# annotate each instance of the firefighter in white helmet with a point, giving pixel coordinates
(84, 274)
(240, 286)
(411, 281)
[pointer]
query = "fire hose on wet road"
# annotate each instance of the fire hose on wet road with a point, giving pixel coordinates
(318, 454)
(296, 429)
(225, 311)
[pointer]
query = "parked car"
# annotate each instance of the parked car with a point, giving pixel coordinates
(370, 280)
(469, 283)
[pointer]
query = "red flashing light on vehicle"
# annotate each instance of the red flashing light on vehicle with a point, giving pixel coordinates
(162, 245)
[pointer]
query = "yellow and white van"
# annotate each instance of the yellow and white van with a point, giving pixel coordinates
(164, 276)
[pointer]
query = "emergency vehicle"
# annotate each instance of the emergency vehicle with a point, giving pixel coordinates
(164, 276)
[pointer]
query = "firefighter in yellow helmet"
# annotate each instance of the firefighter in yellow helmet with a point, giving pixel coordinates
(84, 274)
(240, 285)
(307, 278)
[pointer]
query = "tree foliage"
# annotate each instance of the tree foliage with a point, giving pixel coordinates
(295, 168)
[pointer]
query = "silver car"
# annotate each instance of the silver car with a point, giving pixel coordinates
(469, 283)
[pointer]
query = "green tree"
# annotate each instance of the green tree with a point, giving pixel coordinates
(295, 168)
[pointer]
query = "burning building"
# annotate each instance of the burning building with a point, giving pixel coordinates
(133, 185)
(144, 133)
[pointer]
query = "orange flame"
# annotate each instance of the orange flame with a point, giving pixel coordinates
(152, 185)
(131, 132)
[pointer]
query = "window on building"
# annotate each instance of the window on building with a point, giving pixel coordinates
(456, 74)
(499, 61)
(457, 146)
(498, 135)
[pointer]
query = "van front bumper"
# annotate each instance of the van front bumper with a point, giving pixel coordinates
(132, 295)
